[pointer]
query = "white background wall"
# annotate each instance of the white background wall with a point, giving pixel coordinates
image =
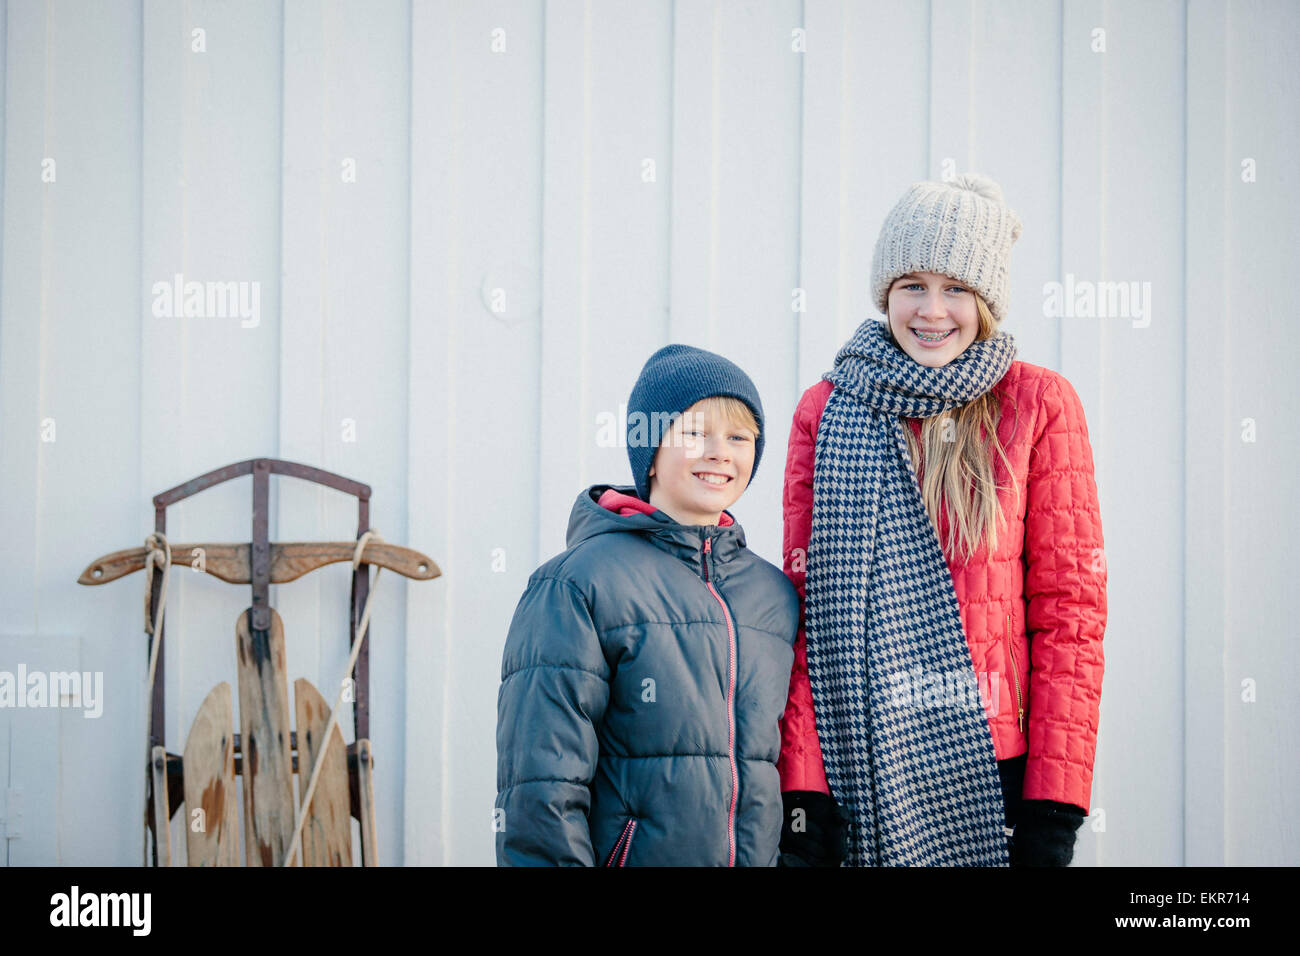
(523, 170)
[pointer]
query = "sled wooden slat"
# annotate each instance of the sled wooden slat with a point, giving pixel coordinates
(264, 741)
(327, 829)
(161, 811)
(366, 795)
(209, 762)
(289, 561)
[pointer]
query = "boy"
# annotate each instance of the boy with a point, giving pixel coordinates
(647, 666)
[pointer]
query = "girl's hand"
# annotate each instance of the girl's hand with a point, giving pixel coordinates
(814, 832)
(1045, 832)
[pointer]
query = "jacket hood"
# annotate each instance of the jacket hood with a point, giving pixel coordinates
(622, 511)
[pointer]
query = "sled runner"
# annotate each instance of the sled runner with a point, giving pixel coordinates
(335, 781)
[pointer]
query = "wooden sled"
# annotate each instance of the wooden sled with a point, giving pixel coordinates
(275, 753)
(267, 751)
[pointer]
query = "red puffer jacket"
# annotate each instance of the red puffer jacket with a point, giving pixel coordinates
(1035, 609)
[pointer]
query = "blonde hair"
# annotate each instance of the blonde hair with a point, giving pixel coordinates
(959, 445)
(729, 409)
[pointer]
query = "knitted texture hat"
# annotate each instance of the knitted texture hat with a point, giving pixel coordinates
(674, 379)
(960, 229)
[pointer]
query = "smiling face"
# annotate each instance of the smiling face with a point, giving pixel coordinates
(702, 464)
(921, 303)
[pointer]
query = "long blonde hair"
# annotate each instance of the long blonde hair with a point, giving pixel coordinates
(958, 446)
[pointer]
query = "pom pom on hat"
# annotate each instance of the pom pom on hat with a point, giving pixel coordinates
(979, 183)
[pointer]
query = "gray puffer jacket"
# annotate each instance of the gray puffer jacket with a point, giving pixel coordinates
(643, 681)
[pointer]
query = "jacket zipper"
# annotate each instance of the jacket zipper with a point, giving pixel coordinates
(624, 843)
(1015, 674)
(705, 551)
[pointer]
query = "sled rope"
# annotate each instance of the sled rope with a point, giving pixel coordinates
(338, 701)
(159, 555)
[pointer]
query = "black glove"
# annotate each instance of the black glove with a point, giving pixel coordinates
(1045, 832)
(814, 831)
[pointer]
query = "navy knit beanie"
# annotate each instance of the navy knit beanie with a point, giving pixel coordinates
(674, 379)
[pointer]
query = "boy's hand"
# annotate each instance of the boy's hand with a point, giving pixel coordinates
(814, 831)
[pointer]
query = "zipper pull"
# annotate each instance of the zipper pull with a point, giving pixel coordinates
(704, 555)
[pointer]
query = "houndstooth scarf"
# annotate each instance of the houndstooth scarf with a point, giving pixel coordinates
(915, 768)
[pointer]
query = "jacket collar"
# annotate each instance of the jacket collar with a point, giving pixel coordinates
(626, 505)
(589, 518)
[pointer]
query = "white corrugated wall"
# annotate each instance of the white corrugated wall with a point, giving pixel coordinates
(469, 223)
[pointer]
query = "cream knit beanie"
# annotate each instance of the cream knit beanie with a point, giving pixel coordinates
(960, 229)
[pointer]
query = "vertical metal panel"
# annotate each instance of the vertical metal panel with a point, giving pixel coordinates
(865, 116)
(10, 653)
(1207, 434)
(22, 297)
(1141, 361)
(1016, 137)
(4, 89)
(494, 233)
(761, 90)
(1263, 236)
(438, 116)
(624, 204)
(735, 253)
(563, 400)
(21, 376)
(91, 324)
(696, 171)
(952, 89)
(826, 167)
(343, 347)
(608, 178)
(1070, 345)
(67, 297)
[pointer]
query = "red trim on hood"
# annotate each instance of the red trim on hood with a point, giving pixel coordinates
(625, 505)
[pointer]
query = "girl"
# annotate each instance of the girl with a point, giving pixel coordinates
(943, 532)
